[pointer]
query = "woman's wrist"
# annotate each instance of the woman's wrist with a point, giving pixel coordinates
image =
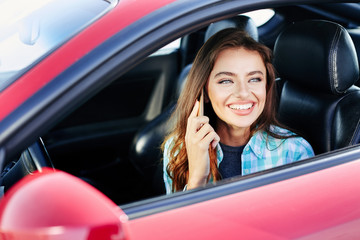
(196, 182)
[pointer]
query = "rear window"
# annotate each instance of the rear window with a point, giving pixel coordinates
(261, 16)
(31, 29)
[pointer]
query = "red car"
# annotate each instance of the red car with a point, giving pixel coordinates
(87, 86)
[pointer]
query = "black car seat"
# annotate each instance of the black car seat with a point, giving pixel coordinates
(145, 153)
(355, 36)
(318, 64)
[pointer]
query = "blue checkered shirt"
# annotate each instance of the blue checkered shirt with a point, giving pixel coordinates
(260, 153)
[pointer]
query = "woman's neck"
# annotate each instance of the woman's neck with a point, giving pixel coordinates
(232, 136)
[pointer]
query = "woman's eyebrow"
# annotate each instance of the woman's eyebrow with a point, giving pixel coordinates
(231, 74)
(255, 72)
(225, 73)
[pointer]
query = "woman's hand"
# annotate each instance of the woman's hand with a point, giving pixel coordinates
(199, 136)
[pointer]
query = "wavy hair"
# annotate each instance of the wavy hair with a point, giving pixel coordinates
(177, 168)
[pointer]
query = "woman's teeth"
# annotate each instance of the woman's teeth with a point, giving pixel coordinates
(241, 107)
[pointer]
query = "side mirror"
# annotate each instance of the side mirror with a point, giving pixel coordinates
(54, 205)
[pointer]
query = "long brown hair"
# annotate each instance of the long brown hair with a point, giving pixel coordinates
(177, 168)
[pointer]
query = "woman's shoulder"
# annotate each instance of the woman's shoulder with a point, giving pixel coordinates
(169, 143)
(287, 134)
(168, 146)
(294, 142)
(281, 131)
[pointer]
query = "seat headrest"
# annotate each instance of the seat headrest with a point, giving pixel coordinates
(242, 22)
(317, 54)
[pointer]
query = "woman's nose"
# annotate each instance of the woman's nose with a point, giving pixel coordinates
(241, 90)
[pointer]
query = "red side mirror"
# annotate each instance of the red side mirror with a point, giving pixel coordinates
(57, 205)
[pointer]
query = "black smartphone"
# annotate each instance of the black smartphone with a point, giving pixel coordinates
(201, 101)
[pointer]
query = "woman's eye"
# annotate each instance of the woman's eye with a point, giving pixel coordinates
(225, 81)
(255, 80)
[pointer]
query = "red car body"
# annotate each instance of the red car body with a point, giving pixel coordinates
(320, 203)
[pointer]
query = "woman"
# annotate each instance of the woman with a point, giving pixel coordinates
(239, 133)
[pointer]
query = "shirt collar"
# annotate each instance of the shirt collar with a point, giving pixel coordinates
(256, 144)
(261, 140)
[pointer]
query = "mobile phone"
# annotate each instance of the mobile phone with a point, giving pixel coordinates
(201, 101)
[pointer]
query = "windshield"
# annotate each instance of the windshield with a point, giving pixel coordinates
(31, 29)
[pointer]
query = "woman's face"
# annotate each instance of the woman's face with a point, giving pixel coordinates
(237, 87)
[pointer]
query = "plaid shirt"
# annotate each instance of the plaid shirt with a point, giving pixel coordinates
(260, 153)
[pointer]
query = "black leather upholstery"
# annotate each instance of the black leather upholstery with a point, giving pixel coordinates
(318, 63)
(241, 22)
(145, 152)
(355, 35)
(322, 57)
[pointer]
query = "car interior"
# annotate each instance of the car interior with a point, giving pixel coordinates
(113, 140)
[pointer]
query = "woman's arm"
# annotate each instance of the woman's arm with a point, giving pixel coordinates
(199, 136)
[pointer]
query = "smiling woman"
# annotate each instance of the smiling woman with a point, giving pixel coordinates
(237, 87)
(238, 77)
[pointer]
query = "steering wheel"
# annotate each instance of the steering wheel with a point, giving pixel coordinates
(32, 159)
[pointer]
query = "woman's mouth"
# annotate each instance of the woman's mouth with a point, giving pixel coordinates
(242, 109)
(241, 106)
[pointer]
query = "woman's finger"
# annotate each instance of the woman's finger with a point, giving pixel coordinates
(195, 124)
(212, 139)
(204, 130)
(215, 141)
(195, 109)
(206, 135)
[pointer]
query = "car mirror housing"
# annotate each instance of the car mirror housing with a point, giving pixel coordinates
(49, 205)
